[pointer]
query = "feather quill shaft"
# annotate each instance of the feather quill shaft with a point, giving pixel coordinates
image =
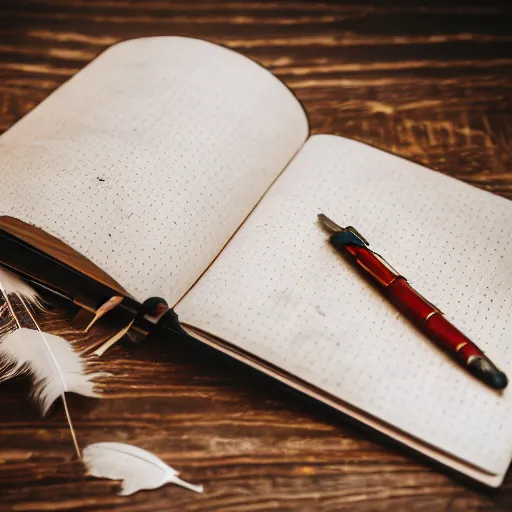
(59, 371)
(8, 302)
(137, 468)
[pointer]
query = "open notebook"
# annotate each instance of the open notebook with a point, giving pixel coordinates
(183, 170)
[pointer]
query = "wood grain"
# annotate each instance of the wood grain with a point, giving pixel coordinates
(431, 83)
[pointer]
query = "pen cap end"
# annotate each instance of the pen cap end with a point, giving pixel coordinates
(500, 381)
(484, 369)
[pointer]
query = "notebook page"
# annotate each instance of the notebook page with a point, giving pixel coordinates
(282, 293)
(149, 159)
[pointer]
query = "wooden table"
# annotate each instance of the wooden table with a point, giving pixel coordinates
(429, 83)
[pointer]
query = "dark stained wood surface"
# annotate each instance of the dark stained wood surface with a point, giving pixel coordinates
(431, 83)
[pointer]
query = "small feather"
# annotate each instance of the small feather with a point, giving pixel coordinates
(53, 363)
(114, 339)
(137, 468)
(104, 309)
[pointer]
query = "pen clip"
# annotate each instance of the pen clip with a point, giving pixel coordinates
(355, 232)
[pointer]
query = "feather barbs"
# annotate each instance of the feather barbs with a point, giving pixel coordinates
(11, 284)
(53, 363)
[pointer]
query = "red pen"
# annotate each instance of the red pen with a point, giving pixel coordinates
(429, 319)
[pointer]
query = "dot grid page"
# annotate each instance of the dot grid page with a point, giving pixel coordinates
(281, 292)
(148, 160)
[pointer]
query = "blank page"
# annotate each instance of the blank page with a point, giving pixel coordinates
(281, 292)
(148, 160)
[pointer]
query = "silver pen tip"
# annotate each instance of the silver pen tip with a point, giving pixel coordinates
(329, 224)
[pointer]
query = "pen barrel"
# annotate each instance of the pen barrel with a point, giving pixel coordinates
(430, 320)
(412, 305)
(420, 311)
(448, 336)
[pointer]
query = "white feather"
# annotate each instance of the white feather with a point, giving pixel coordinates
(55, 366)
(13, 285)
(137, 468)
